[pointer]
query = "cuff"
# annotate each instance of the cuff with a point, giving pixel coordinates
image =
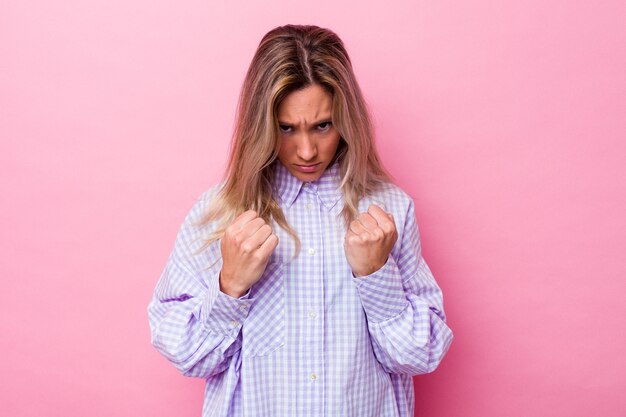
(382, 294)
(226, 314)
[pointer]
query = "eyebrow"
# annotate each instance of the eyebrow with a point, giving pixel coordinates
(315, 123)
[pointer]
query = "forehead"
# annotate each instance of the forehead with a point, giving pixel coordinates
(306, 104)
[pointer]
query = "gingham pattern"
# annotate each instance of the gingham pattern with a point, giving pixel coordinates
(308, 339)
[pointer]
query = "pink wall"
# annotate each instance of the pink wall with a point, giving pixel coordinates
(504, 119)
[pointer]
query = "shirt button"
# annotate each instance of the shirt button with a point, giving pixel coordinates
(242, 308)
(234, 323)
(308, 206)
(313, 377)
(312, 314)
(311, 251)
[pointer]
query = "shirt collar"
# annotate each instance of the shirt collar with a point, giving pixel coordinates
(287, 187)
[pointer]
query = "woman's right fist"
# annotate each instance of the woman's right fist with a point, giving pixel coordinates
(246, 248)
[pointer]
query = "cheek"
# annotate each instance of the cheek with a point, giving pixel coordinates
(330, 146)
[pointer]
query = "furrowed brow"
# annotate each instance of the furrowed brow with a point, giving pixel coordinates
(315, 123)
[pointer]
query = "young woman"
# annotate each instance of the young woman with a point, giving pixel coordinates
(297, 287)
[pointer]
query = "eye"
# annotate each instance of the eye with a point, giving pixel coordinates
(324, 126)
(284, 128)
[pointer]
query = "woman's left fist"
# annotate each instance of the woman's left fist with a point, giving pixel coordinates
(369, 241)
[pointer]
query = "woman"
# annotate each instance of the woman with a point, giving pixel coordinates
(297, 286)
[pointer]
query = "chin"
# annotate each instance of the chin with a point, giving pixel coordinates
(313, 176)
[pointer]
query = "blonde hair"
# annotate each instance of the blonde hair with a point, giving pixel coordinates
(290, 58)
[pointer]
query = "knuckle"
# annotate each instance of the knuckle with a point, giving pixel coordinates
(246, 247)
(258, 256)
(236, 239)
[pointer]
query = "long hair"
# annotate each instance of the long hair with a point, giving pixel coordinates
(290, 58)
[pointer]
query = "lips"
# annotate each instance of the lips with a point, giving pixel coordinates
(308, 168)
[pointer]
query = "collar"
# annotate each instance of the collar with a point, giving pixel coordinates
(287, 187)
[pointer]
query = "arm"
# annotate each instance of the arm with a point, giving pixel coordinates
(193, 324)
(404, 308)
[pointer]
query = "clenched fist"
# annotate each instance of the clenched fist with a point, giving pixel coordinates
(369, 241)
(246, 248)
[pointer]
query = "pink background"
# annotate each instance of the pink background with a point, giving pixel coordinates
(505, 120)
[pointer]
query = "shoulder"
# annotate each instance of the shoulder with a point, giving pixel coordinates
(210, 193)
(198, 210)
(392, 199)
(195, 230)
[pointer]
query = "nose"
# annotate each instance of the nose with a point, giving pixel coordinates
(307, 148)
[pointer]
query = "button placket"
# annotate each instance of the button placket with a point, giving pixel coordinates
(312, 314)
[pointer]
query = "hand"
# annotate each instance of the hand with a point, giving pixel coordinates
(246, 248)
(369, 241)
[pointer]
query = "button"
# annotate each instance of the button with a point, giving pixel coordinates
(313, 377)
(234, 323)
(308, 206)
(312, 314)
(311, 251)
(243, 308)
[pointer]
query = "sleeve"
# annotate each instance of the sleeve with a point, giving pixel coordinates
(192, 323)
(404, 308)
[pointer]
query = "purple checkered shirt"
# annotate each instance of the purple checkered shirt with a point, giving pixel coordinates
(308, 339)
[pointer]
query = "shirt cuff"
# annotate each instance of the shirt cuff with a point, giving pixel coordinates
(382, 294)
(226, 314)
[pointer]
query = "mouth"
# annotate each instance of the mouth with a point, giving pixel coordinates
(308, 168)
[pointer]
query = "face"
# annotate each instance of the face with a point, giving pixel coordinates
(308, 139)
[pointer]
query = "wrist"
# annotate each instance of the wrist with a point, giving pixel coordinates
(228, 288)
(369, 271)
